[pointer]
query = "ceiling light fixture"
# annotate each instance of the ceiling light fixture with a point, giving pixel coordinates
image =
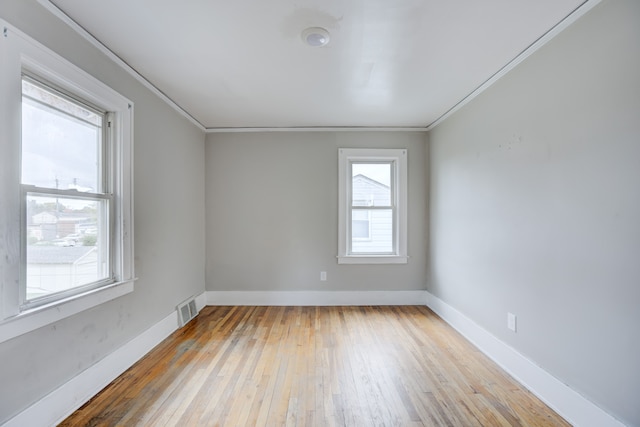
(316, 37)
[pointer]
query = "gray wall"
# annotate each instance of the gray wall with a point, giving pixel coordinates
(169, 230)
(272, 213)
(535, 208)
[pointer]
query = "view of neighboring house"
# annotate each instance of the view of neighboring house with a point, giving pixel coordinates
(54, 269)
(371, 229)
(47, 226)
(61, 252)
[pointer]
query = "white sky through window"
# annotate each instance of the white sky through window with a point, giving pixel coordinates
(380, 172)
(61, 141)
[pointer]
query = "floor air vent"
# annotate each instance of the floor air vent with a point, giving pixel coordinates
(187, 311)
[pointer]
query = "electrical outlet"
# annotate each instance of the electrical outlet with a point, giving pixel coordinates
(511, 321)
(323, 276)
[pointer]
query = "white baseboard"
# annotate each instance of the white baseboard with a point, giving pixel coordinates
(62, 402)
(571, 405)
(201, 301)
(319, 298)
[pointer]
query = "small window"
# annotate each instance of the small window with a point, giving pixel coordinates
(372, 206)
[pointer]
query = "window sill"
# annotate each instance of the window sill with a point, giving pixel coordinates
(33, 319)
(372, 259)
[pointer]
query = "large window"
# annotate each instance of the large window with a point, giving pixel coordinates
(66, 190)
(67, 198)
(372, 206)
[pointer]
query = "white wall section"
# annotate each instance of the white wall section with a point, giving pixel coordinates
(535, 204)
(169, 218)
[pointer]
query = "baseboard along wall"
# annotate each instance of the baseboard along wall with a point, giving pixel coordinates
(60, 403)
(571, 405)
(316, 298)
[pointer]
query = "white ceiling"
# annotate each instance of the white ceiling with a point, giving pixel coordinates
(390, 63)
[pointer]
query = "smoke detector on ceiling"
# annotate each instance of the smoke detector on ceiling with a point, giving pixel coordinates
(316, 36)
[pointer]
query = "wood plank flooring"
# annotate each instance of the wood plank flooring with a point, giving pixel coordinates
(315, 366)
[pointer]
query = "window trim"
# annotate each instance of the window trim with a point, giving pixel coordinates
(21, 54)
(346, 157)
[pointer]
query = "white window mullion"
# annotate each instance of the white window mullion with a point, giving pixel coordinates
(394, 204)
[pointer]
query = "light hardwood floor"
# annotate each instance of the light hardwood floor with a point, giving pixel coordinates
(315, 366)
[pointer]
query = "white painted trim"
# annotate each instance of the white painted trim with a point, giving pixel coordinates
(397, 157)
(319, 129)
(33, 319)
(21, 52)
(586, 6)
(575, 408)
(316, 298)
(62, 402)
(555, 30)
(55, 10)
(372, 259)
(201, 301)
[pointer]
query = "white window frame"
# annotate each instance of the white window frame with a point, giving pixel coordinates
(19, 54)
(398, 159)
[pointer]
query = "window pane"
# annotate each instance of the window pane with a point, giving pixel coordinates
(380, 229)
(61, 141)
(371, 184)
(66, 244)
(360, 224)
